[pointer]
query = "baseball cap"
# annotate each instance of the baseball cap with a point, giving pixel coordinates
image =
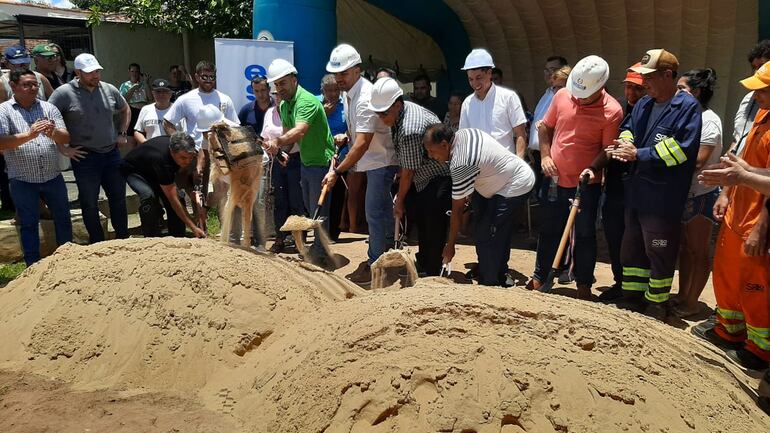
(45, 50)
(87, 63)
(759, 80)
(657, 59)
(160, 84)
(17, 55)
(634, 77)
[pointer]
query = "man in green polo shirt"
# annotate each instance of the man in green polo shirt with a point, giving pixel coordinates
(304, 122)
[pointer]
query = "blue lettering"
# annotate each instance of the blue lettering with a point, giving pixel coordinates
(250, 93)
(252, 71)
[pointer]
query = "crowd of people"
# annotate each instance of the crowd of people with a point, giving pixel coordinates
(649, 165)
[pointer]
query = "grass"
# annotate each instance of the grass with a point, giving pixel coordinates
(212, 222)
(9, 272)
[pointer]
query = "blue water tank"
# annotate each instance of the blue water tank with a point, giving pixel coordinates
(311, 24)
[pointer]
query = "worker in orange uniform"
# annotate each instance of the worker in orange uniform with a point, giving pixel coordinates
(742, 264)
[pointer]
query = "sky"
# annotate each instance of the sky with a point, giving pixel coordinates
(57, 3)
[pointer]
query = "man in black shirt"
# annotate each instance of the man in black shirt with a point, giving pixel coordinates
(150, 170)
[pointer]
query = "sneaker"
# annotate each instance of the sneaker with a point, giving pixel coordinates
(657, 311)
(710, 335)
(747, 359)
(566, 277)
(362, 276)
(612, 294)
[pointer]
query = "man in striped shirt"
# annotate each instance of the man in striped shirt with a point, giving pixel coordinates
(501, 180)
(408, 122)
(31, 130)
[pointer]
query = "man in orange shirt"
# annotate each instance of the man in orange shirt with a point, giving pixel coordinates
(742, 264)
(582, 120)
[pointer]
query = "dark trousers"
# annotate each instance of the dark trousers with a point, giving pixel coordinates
(151, 198)
(288, 193)
(554, 219)
(101, 170)
(494, 232)
(649, 253)
(613, 221)
(5, 189)
(432, 204)
(27, 196)
(336, 209)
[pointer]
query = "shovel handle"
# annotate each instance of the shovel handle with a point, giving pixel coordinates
(321, 198)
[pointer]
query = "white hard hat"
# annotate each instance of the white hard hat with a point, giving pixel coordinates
(279, 68)
(384, 93)
(343, 57)
(207, 116)
(478, 58)
(588, 76)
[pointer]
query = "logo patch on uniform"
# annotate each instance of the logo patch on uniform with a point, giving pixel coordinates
(660, 137)
(751, 287)
(659, 243)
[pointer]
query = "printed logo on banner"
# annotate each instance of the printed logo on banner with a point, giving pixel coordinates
(250, 72)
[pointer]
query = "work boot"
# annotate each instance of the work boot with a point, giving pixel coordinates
(710, 335)
(611, 295)
(584, 291)
(362, 276)
(632, 301)
(566, 277)
(747, 359)
(656, 310)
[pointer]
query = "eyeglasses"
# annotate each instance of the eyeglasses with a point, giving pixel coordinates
(208, 77)
(28, 86)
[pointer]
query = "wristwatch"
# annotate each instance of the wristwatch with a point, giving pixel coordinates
(123, 133)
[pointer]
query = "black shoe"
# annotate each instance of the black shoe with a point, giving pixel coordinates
(710, 335)
(634, 302)
(747, 359)
(657, 311)
(612, 294)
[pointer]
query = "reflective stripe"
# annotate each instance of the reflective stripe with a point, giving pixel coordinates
(762, 332)
(760, 337)
(657, 297)
(634, 286)
(662, 283)
(676, 150)
(734, 328)
(664, 154)
(729, 314)
(627, 135)
(636, 272)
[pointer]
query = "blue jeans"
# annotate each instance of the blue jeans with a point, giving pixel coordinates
(554, 219)
(494, 232)
(379, 210)
(26, 196)
(310, 181)
(288, 193)
(101, 170)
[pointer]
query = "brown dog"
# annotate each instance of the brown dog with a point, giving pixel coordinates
(237, 160)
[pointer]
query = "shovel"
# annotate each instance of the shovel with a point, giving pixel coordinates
(547, 286)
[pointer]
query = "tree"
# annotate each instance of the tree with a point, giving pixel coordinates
(214, 18)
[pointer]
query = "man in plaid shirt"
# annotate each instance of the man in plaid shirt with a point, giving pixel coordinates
(408, 122)
(31, 130)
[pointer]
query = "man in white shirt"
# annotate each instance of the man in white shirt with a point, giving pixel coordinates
(748, 107)
(149, 123)
(500, 180)
(372, 152)
(493, 109)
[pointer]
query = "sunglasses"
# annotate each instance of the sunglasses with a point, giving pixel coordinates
(208, 77)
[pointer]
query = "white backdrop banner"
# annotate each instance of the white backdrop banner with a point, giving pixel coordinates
(240, 60)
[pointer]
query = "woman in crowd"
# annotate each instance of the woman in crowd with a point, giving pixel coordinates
(452, 118)
(698, 219)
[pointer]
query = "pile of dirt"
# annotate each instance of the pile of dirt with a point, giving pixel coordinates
(441, 358)
(154, 314)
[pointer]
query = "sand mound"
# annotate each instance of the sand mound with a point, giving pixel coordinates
(464, 359)
(156, 314)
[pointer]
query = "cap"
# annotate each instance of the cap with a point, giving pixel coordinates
(655, 60)
(759, 80)
(342, 58)
(87, 63)
(278, 69)
(634, 77)
(478, 58)
(17, 55)
(588, 76)
(207, 116)
(45, 50)
(384, 93)
(160, 84)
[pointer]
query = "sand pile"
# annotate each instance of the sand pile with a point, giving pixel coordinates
(152, 314)
(466, 359)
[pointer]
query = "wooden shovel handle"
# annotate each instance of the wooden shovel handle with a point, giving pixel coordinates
(321, 198)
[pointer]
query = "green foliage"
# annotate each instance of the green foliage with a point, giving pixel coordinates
(214, 18)
(9, 272)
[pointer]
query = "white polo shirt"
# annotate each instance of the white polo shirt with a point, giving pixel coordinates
(360, 118)
(497, 114)
(187, 106)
